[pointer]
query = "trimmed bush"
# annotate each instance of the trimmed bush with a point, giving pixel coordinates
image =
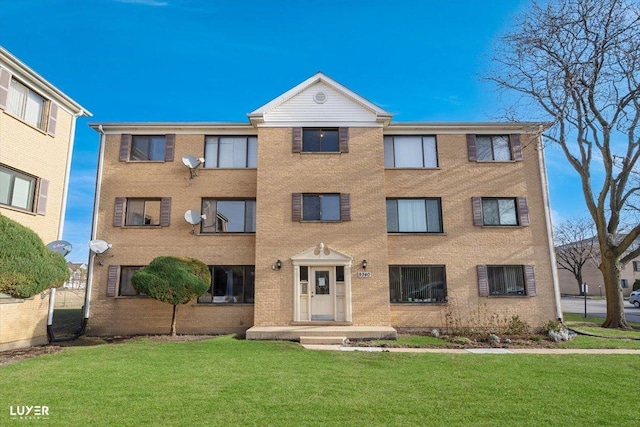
(174, 280)
(27, 267)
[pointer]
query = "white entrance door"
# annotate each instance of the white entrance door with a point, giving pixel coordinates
(322, 293)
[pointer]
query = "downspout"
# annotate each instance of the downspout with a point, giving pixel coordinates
(94, 228)
(547, 216)
(63, 212)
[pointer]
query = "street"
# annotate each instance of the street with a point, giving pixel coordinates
(597, 307)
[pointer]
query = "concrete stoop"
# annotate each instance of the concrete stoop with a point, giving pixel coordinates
(331, 334)
(323, 340)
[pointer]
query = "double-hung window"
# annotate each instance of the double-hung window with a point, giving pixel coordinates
(494, 148)
(17, 189)
(231, 152)
(229, 216)
(230, 284)
(414, 216)
(410, 151)
(419, 283)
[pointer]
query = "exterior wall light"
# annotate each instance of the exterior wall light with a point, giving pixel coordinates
(364, 264)
(277, 265)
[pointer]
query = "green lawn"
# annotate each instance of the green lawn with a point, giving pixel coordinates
(228, 382)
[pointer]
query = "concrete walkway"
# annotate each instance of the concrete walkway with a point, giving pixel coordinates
(474, 350)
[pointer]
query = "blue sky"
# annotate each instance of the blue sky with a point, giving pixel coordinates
(195, 60)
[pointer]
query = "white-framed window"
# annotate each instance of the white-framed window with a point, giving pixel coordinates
(231, 152)
(417, 283)
(17, 189)
(410, 151)
(414, 215)
(228, 216)
(230, 284)
(26, 104)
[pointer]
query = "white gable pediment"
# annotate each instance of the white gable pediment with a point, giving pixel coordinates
(319, 101)
(321, 254)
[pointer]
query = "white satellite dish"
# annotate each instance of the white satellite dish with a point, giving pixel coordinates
(60, 246)
(190, 161)
(194, 218)
(99, 246)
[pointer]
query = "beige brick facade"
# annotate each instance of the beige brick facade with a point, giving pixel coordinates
(359, 173)
(43, 156)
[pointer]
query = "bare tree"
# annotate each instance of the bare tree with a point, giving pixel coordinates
(577, 63)
(575, 245)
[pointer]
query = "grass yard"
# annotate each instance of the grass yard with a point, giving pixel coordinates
(228, 382)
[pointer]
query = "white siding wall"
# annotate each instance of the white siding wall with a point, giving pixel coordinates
(337, 108)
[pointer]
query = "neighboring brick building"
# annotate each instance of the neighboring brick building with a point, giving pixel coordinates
(37, 126)
(322, 212)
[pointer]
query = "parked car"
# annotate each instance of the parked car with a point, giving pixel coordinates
(634, 298)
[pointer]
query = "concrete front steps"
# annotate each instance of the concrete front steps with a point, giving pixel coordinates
(323, 340)
(335, 332)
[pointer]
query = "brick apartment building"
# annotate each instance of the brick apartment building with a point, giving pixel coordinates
(322, 212)
(37, 127)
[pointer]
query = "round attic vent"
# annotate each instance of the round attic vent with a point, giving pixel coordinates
(320, 97)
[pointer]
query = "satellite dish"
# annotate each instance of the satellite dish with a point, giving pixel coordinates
(190, 161)
(99, 246)
(193, 217)
(60, 246)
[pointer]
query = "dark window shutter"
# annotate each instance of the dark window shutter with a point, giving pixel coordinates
(165, 211)
(516, 147)
(112, 281)
(53, 118)
(125, 146)
(5, 78)
(530, 280)
(118, 212)
(343, 137)
(296, 207)
(345, 207)
(169, 147)
(476, 204)
(471, 147)
(483, 281)
(296, 146)
(43, 193)
(523, 211)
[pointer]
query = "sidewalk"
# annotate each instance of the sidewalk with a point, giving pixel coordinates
(474, 350)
